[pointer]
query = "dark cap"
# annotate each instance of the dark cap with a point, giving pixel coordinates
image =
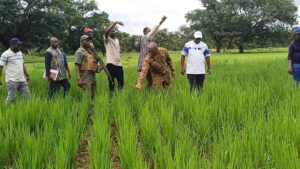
(15, 41)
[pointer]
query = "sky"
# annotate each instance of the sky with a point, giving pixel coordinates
(137, 14)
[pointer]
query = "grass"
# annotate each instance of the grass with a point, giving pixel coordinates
(246, 117)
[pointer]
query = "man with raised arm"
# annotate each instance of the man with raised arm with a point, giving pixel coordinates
(113, 62)
(143, 50)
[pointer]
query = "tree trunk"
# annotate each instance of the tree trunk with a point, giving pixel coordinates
(218, 46)
(241, 48)
(218, 49)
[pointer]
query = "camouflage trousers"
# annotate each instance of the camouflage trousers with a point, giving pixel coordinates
(161, 82)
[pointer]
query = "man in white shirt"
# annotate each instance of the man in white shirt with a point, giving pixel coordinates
(197, 53)
(113, 62)
(15, 70)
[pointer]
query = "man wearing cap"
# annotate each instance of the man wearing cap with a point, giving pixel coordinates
(113, 62)
(56, 60)
(294, 57)
(197, 53)
(159, 63)
(143, 50)
(86, 66)
(15, 71)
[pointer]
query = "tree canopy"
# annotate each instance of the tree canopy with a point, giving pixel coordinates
(34, 21)
(240, 22)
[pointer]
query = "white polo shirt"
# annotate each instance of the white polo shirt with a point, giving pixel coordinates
(13, 63)
(196, 54)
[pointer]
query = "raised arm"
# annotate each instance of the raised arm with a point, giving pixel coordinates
(111, 27)
(155, 29)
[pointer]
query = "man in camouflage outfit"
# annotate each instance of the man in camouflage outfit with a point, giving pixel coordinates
(86, 66)
(159, 63)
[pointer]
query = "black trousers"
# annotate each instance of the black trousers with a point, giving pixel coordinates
(55, 85)
(116, 72)
(196, 81)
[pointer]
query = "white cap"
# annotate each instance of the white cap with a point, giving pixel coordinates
(198, 34)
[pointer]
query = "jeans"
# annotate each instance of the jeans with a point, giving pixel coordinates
(55, 85)
(296, 72)
(13, 87)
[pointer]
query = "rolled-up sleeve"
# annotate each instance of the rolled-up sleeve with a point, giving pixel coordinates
(206, 52)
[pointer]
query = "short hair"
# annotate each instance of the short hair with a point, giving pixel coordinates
(53, 39)
(145, 29)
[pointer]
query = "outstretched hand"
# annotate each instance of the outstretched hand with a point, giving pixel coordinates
(173, 74)
(182, 71)
(208, 71)
(138, 86)
(290, 70)
(163, 20)
(120, 23)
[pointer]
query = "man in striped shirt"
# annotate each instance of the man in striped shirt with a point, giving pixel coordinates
(15, 71)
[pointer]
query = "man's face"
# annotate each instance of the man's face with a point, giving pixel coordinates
(197, 40)
(54, 44)
(152, 51)
(147, 31)
(112, 34)
(86, 43)
(15, 48)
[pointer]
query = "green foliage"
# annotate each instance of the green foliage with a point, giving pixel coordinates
(237, 23)
(34, 21)
(246, 117)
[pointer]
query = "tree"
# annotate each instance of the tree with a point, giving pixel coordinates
(239, 21)
(34, 21)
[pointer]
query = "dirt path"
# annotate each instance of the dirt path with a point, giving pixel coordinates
(83, 157)
(114, 147)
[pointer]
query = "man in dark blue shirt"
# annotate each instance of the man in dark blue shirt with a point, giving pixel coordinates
(57, 70)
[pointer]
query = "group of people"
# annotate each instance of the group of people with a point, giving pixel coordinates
(154, 64)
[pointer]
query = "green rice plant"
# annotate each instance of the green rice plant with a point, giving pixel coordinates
(99, 146)
(128, 148)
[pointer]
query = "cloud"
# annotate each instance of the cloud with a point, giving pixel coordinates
(137, 14)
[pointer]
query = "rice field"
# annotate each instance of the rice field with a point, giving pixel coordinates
(246, 117)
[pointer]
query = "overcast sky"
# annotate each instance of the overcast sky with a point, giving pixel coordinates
(136, 14)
